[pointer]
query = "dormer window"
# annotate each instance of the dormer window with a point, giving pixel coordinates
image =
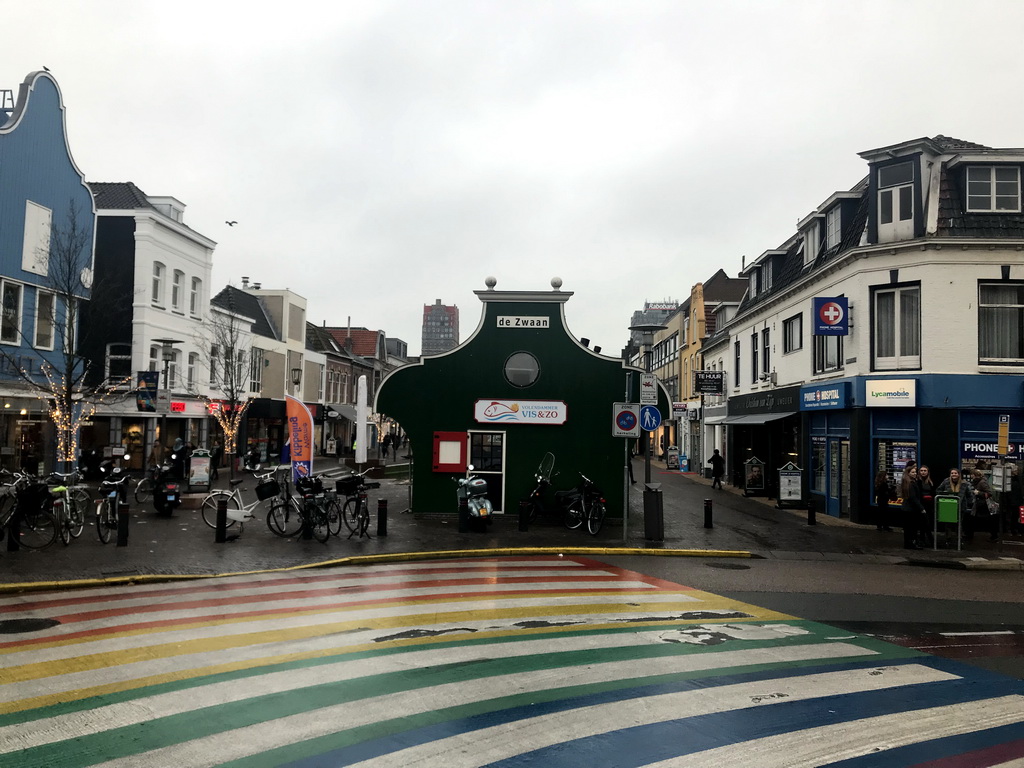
(766, 273)
(833, 227)
(896, 202)
(811, 243)
(754, 282)
(993, 188)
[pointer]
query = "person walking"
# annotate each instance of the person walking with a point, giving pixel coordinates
(629, 462)
(215, 457)
(883, 493)
(983, 518)
(717, 462)
(911, 508)
(955, 485)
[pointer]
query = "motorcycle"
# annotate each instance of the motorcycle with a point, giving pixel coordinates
(166, 489)
(472, 489)
(565, 505)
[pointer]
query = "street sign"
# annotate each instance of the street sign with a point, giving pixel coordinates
(1004, 434)
(625, 420)
(648, 389)
(650, 418)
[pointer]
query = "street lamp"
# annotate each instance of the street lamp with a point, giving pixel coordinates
(654, 518)
(167, 351)
(296, 379)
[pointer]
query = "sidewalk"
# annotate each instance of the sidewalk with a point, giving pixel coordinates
(184, 545)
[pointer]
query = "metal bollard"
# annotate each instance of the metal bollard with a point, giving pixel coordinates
(307, 518)
(708, 509)
(221, 534)
(14, 532)
(811, 519)
(524, 515)
(463, 516)
(122, 523)
(382, 517)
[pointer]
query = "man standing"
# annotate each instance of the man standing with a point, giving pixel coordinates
(717, 469)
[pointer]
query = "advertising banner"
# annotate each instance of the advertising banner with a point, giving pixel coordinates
(709, 382)
(145, 395)
(520, 411)
(300, 435)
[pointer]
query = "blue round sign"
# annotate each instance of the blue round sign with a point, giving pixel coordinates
(626, 420)
(650, 418)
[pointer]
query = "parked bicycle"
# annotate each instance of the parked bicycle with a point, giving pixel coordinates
(284, 518)
(23, 500)
(238, 510)
(69, 504)
(356, 510)
(113, 490)
(588, 507)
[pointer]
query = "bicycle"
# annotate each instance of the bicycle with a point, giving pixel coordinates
(587, 507)
(112, 489)
(23, 500)
(238, 510)
(356, 511)
(69, 503)
(284, 518)
(321, 515)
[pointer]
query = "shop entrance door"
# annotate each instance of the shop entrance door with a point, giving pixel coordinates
(838, 477)
(487, 455)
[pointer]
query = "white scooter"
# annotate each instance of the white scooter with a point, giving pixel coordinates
(473, 490)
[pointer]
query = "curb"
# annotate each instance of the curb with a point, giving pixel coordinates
(396, 557)
(972, 564)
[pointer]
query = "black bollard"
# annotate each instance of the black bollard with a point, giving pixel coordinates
(463, 516)
(707, 514)
(122, 524)
(811, 519)
(221, 534)
(307, 518)
(14, 531)
(382, 517)
(524, 515)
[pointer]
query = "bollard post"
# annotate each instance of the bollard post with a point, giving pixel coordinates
(382, 517)
(811, 518)
(708, 510)
(524, 515)
(221, 534)
(463, 515)
(654, 513)
(122, 523)
(14, 531)
(307, 518)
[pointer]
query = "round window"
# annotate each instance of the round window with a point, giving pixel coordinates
(521, 369)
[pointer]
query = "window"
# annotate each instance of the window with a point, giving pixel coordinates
(753, 283)
(993, 188)
(193, 360)
(766, 272)
(1001, 323)
(810, 243)
(35, 248)
(521, 369)
(10, 322)
(118, 363)
(256, 371)
(754, 370)
(177, 280)
(154, 359)
(158, 282)
(45, 307)
(897, 328)
(766, 348)
(896, 202)
(736, 365)
(828, 353)
(793, 334)
(194, 295)
(320, 383)
(172, 370)
(832, 227)
(214, 355)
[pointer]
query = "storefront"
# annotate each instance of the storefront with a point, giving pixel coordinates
(827, 410)
(520, 387)
(264, 427)
(763, 426)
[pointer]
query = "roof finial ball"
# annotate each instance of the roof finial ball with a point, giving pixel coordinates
(556, 283)
(490, 282)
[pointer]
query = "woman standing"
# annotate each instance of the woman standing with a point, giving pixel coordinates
(982, 519)
(927, 485)
(911, 508)
(960, 488)
(882, 500)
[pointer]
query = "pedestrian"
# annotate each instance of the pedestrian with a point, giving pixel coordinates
(178, 459)
(985, 509)
(629, 462)
(911, 508)
(927, 484)
(215, 457)
(883, 494)
(717, 462)
(386, 444)
(956, 485)
(1012, 503)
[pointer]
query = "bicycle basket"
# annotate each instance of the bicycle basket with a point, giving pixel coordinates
(268, 489)
(306, 485)
(347, 486)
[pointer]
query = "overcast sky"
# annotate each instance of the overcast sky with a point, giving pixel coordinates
(380, 155)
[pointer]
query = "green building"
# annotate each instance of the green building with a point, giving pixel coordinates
(519, 387)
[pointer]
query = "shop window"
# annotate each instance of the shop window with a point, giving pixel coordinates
(819, 463)
(521, 369)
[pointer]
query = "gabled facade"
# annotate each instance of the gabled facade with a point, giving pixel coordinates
(926, 251)
(43, 198)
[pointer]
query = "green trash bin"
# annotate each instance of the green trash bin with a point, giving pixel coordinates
(947, 510)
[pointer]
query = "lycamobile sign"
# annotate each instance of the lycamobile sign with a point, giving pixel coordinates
(890, 393)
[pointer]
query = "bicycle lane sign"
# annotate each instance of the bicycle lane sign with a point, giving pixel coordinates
(625, 420)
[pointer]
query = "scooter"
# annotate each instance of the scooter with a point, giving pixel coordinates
(166, 489)
(563, 500)
(473, 490)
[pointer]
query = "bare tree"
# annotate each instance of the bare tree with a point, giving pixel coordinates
(48, 360)
(227, 345)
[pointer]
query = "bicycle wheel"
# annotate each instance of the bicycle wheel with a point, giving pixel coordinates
(574, 515)
(595, 518)
(104, 516)
(318, 521)
(63, 522)
(364, 520)
(144, 491)
(334, 517)
(38, 529)
(80, 503)
(210, 507)
(284, 517)
(350, 514)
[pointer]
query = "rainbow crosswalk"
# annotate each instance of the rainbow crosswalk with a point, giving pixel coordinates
(512, 661)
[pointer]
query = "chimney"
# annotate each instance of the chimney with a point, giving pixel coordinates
(585, 342)
(597, 349)
(257, 286)
(245, 282)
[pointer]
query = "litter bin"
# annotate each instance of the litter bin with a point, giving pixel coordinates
(672, 457)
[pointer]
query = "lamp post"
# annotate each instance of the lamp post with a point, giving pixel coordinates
(167, 352)
(654, 518)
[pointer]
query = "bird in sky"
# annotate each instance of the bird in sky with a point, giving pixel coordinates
(231, 223)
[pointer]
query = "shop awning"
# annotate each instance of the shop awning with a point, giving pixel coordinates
(343, 410)
(715, 419)
(757, 418)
